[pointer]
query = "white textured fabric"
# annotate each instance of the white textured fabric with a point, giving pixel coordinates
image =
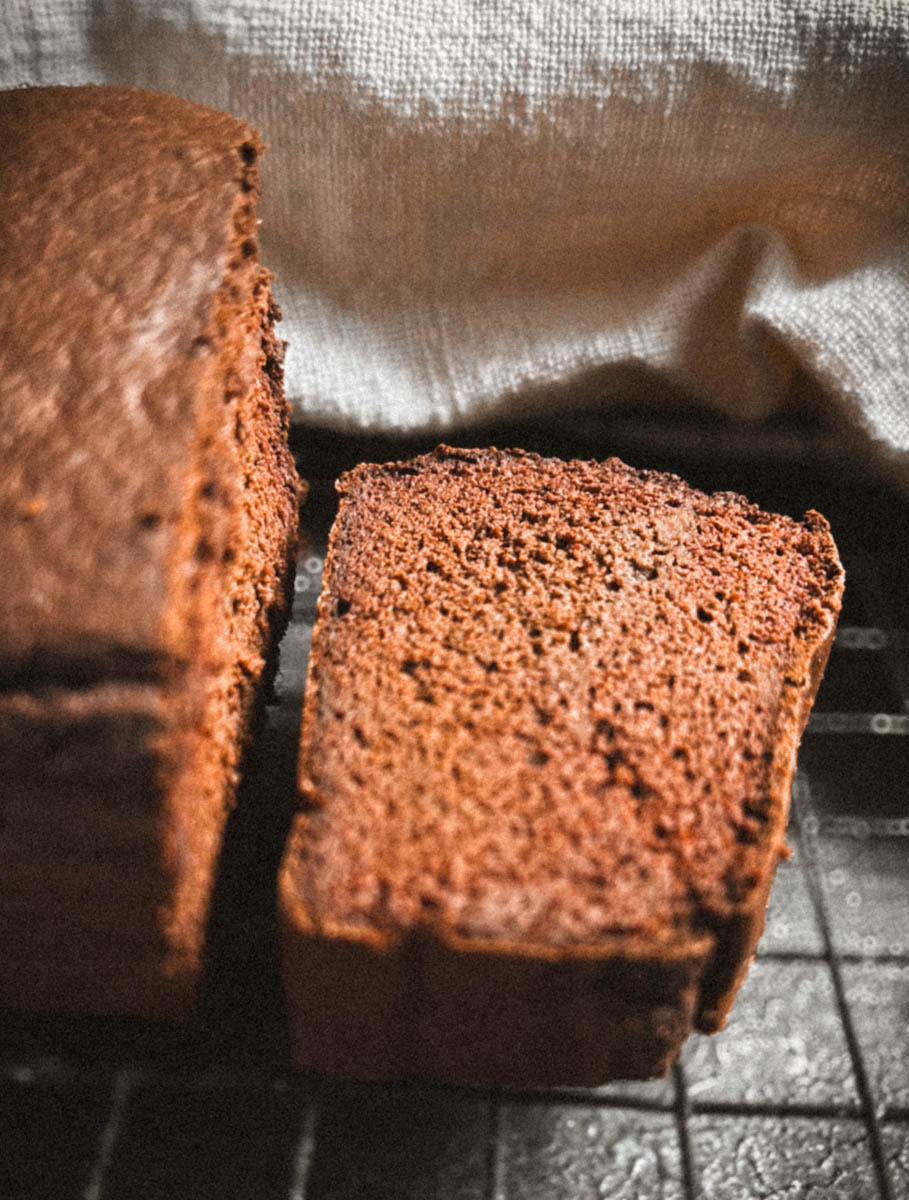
(474, 206)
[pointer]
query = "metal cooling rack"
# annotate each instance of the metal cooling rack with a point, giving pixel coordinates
(806, 1094)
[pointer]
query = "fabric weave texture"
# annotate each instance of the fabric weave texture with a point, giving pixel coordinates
(481, 211)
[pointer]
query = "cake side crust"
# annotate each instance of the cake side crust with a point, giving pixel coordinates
(155, 579)
(119, 209)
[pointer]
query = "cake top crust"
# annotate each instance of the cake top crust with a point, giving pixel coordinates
(553, 703)
(120, 215)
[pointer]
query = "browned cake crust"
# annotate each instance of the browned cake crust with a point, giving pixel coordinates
(548, 744)
(148, 507)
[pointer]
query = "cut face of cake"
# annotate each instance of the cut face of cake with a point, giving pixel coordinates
(548, 742)
(148, 510)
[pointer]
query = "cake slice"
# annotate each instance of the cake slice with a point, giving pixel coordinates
(548, 742)
(148, 512)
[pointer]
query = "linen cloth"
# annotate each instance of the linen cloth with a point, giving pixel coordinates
(478, 209)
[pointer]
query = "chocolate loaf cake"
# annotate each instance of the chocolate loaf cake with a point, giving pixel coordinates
(548, 742)
(148, 514)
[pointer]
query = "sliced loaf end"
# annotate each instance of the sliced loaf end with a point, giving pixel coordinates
(548, 743)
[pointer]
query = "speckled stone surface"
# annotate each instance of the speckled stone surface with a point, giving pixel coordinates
(784, 1043)
(767, 1158)
(878, 999)
(896, 1153)
(864, 881)
(568, 1153)
(792, 925)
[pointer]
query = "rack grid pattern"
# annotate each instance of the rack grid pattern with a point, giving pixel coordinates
(805, 1094)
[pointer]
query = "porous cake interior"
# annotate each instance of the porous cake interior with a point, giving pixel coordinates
(545, 699)
(231, 578)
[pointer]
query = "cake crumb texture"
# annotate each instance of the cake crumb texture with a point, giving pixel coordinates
(552, 713)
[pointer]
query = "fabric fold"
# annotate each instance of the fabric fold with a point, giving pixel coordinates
(472, 204)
